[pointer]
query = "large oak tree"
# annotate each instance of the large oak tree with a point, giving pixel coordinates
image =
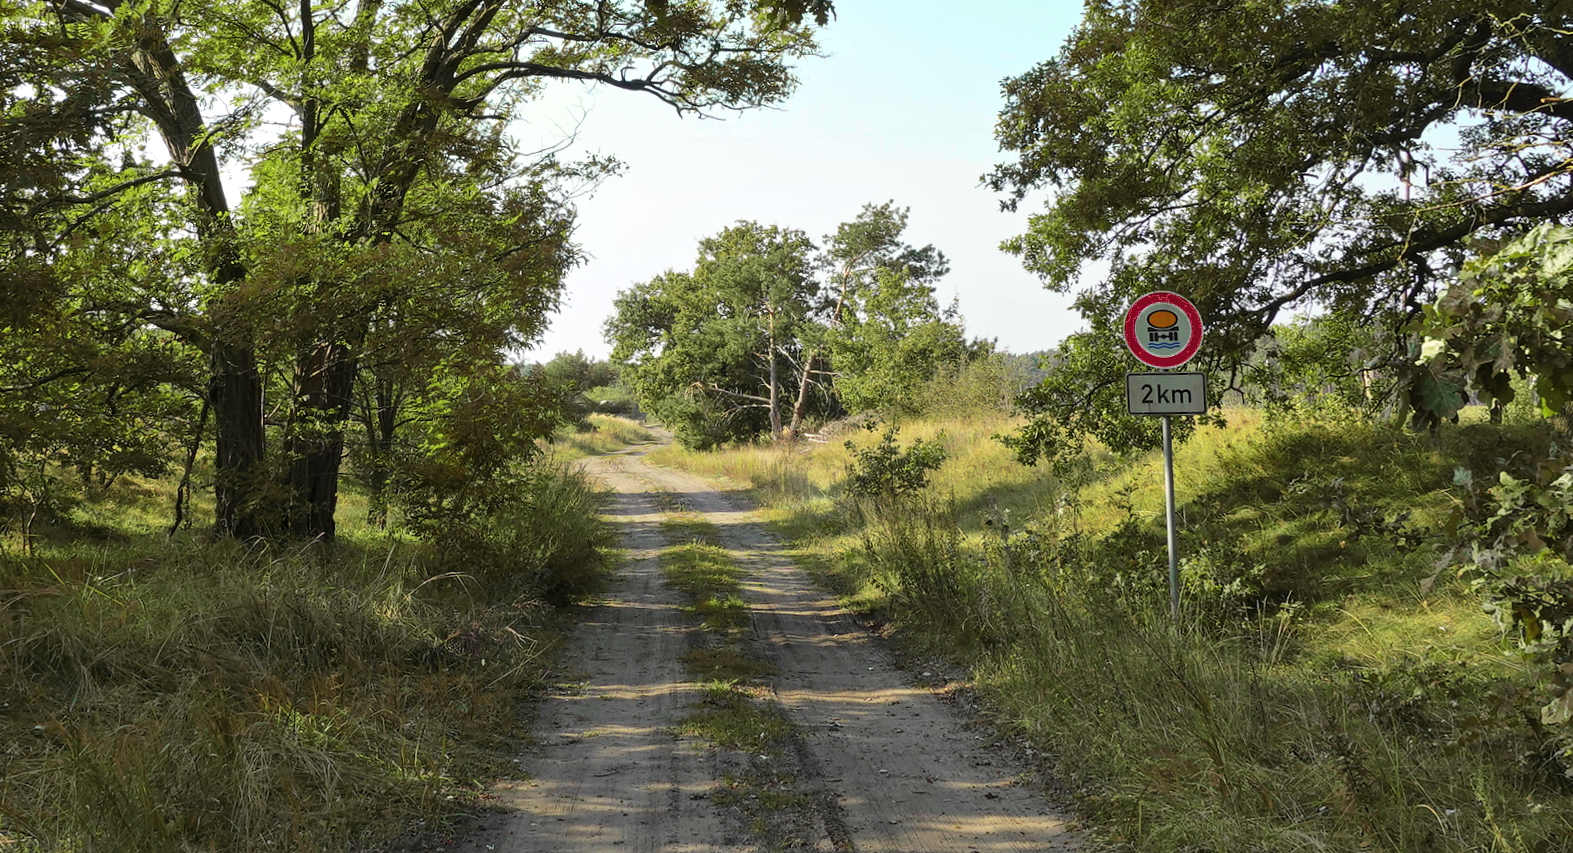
(375, 135)
(1263, 157)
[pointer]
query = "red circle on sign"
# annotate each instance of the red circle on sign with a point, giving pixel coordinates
(1191, 346)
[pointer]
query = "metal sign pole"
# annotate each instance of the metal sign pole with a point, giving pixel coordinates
(1168, 511)
(1164, 330)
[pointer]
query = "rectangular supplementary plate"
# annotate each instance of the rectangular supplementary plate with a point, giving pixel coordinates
(1166, 393)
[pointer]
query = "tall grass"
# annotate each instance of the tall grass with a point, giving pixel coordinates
(159, 696)
(1317, 695)
(600, 433)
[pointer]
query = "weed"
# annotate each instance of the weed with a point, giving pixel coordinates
(169, 694)
(1326, 689)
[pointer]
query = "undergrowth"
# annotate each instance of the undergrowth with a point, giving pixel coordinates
(1329, 688)
(160, 695)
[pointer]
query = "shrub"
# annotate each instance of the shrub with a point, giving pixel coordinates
(534, 532)
(1519, 556)
(885, 473)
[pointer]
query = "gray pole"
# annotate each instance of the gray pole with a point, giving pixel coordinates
(1168, 511)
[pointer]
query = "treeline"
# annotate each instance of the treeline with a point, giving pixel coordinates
(354, 300)
(770, 331)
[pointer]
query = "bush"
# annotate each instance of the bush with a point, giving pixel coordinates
(885, 473)
(535, 532)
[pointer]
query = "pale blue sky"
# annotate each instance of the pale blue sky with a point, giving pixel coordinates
(901, 106)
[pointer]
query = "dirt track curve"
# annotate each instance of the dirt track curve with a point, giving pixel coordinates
(907, 771)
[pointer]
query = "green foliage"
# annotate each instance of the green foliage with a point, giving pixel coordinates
(767, 331)
(1519, 551)
(464, 478)
(1082, 397)
(1325, 366)
(391, 232)
(582, 383)
(1249, 172)
(884, 333)
(1509, 312)
(710, 353)
(886, 473)
(1256, 157)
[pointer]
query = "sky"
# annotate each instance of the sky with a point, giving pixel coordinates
(901, 106)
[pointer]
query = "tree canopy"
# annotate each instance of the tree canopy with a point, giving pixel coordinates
(1261, 157)
(388, 230)
(768, 329)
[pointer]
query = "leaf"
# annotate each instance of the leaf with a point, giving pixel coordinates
(1431, 349)
(1559, 711)
(1442, 397)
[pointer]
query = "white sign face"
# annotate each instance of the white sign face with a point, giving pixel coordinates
(1163, 329)
(1166, 393)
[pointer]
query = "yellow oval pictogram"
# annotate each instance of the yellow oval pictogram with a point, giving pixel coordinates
(1162, 319)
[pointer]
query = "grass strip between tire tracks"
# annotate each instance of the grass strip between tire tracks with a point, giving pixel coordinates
(763, 784)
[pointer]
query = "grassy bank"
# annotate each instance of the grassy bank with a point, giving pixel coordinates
(1328, 689)
(163, 694)
(599, 434)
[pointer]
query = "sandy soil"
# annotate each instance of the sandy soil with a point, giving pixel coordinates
(906, 772)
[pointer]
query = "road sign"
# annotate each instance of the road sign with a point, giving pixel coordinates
(1166, 393)
(1163, 329)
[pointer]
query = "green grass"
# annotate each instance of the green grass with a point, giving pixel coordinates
(704, 571)
(606, 434)
(162, 694)
(731, 719)
(1359, 708)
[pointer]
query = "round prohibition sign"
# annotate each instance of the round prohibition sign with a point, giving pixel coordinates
(1163, 329)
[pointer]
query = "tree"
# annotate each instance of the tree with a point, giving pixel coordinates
(878, 292)
(397, 119)
(578, 371)
(712, 352)
(1259, 157)
(766, 325)
(897, 341)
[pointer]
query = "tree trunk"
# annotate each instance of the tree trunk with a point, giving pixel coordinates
(381, 425)
(801, 406)
(235, 387)
(775, 384)
(315, 446)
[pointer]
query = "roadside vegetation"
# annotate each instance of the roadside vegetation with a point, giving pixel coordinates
(1338, 680)
(281, 555)
(598, 434)
(1376, 649)
(176, 693)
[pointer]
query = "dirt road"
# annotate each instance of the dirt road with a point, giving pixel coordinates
(906, 772)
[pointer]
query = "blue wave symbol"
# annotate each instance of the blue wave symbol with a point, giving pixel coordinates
(1164, 345)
